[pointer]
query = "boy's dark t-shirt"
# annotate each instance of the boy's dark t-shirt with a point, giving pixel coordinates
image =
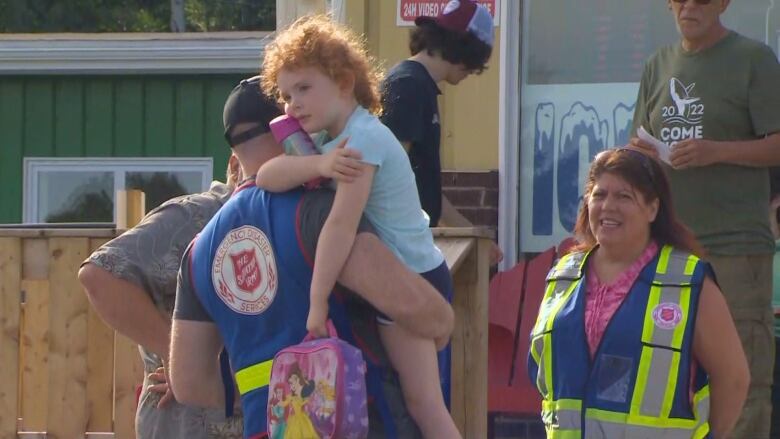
(411, 111)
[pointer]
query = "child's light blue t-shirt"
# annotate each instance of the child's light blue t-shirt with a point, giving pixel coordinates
(393, 206)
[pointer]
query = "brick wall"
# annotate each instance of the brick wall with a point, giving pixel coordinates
(474, 194)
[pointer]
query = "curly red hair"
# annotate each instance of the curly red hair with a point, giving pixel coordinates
(318, 41)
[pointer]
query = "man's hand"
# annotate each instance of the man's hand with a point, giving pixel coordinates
(644, 147)
(341, 164)
(161, 377)
(693, 153)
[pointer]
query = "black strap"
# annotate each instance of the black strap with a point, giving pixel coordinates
(227, 382)
(249, 134)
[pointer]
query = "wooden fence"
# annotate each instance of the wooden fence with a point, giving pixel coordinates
(64, 372)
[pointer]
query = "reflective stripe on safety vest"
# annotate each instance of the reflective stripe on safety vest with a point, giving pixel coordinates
(254, 377)
(657, 378)
(556, 295)
(563, 420)
(656, 381)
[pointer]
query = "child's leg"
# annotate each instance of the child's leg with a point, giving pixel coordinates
(414, 358)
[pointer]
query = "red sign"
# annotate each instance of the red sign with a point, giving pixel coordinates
(408, 10)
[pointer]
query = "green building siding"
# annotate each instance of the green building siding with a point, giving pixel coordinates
(107, 116)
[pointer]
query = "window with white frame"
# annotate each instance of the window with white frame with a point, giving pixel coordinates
(72, 190)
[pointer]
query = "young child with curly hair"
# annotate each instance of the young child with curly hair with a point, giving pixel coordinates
(321, 72)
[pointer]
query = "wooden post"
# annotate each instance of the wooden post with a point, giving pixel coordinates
(130, 208)
(10, 274)
(467, 253)
(128, 369)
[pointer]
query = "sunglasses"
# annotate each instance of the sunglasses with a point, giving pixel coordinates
(642, 158)
(698, 2)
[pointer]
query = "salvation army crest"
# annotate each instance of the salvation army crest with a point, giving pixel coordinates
(667, 315)
(246, 269)
(244, 272)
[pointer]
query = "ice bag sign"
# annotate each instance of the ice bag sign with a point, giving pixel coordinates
(563, 126)
(408, 10)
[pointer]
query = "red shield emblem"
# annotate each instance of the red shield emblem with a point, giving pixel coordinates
(667, 315)
(247, 270)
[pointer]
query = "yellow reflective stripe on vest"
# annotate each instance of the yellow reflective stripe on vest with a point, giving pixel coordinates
(553, 433)
(557, 294)
(554, 297)
(642, 421)
(602, 424)
(563, 418)
(665, 322)
(701, 411)
(254, 377)
(561, 283)
(671, 285)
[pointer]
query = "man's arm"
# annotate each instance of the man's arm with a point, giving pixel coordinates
(127, 308)
(195, 346)
(130, 280)
(194, 365)
(375, 274)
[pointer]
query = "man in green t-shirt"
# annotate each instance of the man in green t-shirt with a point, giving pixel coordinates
(715, 98)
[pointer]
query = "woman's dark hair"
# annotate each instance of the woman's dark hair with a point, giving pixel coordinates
(646, 176)
(454, 47)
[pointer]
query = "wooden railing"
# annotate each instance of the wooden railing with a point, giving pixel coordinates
(65, 374)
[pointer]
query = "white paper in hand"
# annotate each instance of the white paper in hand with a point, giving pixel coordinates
(663, 149)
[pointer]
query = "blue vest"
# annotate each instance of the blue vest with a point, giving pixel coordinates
(252, 278)
(251, 275)
(637, 384)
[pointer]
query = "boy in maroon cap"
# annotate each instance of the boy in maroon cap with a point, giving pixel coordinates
(449, 47)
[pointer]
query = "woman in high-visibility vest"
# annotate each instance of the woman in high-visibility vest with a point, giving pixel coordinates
(633, 337)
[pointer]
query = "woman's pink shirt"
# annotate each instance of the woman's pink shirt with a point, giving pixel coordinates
(603, 300)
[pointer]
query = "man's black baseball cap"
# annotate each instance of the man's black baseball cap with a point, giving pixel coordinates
(247, 104)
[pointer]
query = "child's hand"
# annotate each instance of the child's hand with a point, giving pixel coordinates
(317, 321)
(341, 164)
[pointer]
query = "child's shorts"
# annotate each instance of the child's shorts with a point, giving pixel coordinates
(439, 277)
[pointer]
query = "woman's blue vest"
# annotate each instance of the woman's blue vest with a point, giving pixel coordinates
(638, 384)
